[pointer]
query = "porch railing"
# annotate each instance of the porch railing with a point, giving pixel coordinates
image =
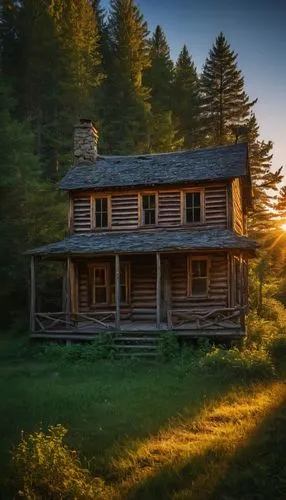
(104, 320)
(222, 318)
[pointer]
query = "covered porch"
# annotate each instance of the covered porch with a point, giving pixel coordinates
(145, 292)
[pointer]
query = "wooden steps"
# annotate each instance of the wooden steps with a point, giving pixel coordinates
(134, 344)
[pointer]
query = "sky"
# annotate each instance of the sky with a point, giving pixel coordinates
(255, 29)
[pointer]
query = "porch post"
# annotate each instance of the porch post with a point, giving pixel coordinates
(32, 295)
(68, 289)
(158, 290)
(117, 291)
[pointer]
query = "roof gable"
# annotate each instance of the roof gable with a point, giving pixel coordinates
(156, 169)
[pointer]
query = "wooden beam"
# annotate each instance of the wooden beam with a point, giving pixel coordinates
(158, 290)
(32, 295)
(117, 291)
(68, 289)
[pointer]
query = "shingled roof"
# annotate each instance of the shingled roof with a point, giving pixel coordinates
(168, 168)
(146, 242)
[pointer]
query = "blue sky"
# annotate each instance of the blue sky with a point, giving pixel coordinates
(256, 30)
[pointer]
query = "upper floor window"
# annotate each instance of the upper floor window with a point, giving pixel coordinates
(193, 207)
(148, 209)
(101, 213)
(198, 276)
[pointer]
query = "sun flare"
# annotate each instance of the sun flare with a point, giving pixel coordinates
(283, 226)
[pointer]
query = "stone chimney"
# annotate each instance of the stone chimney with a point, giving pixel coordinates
(85, 142)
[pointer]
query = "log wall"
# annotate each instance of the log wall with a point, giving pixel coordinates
(218, 287)
(81, 214)
(142, 306)
(238, 216)
(125, 209)
(215, 206)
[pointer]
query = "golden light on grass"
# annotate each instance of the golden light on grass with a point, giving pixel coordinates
(211, 439)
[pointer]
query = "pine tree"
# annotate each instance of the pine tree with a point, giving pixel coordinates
(280, 205)
(224, 100)
(158, 78)
(53, 67)
(25, 219)
(186, 100)
(126, 112)
(265, 181)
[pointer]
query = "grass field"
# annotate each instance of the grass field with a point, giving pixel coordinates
(151, 430)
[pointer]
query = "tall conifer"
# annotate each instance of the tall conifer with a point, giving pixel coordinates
(126, 113)
(265, 181)
(225, 102)
(53, 67)
(158, 78)
(186, 100)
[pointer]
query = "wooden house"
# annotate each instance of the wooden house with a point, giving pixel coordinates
(155, 242)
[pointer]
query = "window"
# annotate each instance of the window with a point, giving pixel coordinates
(103, 283)
(193, 208)
(100, 291)
(148, 209)
(198, 276)
(101, 213)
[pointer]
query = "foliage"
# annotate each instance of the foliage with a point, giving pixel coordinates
(265, 181)
(225, 103)
(125, 109)
(46, 468)
(100, 348)
(186, 100)
(168, 346)
(248, 363)
(158, 78)
(51, 57)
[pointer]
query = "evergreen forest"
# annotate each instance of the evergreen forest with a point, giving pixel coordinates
(61, 60)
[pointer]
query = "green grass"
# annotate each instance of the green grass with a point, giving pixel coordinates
(151, 430)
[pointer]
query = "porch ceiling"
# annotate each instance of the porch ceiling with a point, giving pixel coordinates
(147, 242)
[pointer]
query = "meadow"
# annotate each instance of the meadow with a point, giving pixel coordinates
(203, 425)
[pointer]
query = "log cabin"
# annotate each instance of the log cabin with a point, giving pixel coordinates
(156, 243)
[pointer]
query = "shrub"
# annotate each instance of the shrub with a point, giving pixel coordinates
(247, 363)
(277, 348)
(168, 346)
(273, 310)
(100, 348)
(261, 332)
(46, 468)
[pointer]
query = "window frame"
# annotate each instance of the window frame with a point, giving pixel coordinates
(184, 207)
(93, 215)
(192, 258)
(141, 210)
(108, 285)
(105, 266)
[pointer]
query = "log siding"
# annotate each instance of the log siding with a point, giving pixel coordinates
(142, 306)
(125, 211)
(238, 216)
(81, 214)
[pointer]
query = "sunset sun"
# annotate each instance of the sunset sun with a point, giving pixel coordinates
(283, 226)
